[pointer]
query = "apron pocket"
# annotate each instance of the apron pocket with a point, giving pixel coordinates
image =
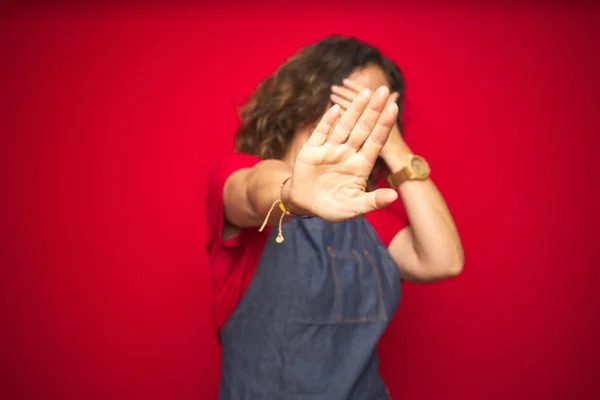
(357, 287)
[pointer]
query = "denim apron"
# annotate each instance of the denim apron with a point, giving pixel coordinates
(308, 324)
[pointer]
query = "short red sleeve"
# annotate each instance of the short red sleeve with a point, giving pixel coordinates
(219, 174)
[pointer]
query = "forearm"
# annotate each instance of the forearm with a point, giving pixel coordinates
(250, 194)
(258, 190)
(435, 239)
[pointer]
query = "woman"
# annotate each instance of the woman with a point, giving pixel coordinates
(299, 306)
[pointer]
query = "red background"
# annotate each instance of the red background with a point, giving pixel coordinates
(110, 117)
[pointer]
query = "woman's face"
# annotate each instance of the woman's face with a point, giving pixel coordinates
(370, 77)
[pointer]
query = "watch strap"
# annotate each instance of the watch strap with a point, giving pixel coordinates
(397, 178)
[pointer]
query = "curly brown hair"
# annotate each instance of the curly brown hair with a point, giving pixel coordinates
(297, 94)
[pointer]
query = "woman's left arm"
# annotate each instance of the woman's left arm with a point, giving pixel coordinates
(430, 248)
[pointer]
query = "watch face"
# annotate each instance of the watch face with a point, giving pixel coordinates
(419, 167)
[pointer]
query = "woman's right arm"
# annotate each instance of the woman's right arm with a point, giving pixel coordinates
(249, 193)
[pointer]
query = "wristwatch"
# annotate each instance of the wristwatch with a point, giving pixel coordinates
(416, 168)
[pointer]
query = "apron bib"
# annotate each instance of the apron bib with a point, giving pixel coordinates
(308, 324)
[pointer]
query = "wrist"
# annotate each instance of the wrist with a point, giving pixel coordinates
(395, 152)
(396, 155)
(290, 202)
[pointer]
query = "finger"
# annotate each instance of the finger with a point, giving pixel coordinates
(368, 119)
(323, 129)
(346, 123)
(379, 135)
(344, 103)
(352, 85)
(344, 92)
(375, 200)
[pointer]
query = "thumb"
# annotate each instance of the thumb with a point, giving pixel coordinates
(384, 197)
(377, 199)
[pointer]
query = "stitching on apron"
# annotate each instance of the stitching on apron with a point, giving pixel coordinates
(337, 305)
(360, 279)
(379, 286)
(337, 308)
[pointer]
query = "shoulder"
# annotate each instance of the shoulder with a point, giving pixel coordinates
(220, 172)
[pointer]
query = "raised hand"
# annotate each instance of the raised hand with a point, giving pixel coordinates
(331, 171)
(345, 94)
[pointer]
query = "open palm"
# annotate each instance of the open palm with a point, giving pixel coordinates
(331, 171)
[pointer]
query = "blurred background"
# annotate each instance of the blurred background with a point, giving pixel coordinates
(112, 113)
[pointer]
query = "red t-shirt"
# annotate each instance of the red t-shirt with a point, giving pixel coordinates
(233, 261)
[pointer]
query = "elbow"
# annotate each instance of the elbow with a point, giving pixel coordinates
(454, 264)
(441, 260)
(442, 269)
(452, 267)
